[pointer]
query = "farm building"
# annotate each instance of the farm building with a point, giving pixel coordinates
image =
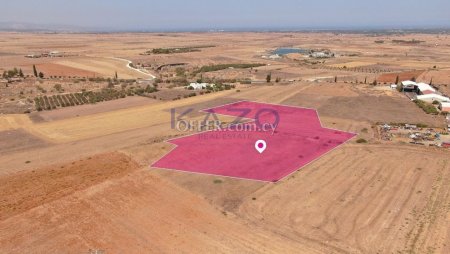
(199, 86)
(321, 55)
(276, 56)
(444, 106)
(430, 98)
(425, 88)
(55, 54)
(409, 86)
(419, 88)
(33, 56)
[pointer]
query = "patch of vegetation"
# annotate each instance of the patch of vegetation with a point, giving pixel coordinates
(58, 88)
(180, 72)
(413, 41)
(40, 89)
(13, 73)
(421, 125)
(218, 67)
(361, 141)
(158, 51)
(220, 87)
(426, 107)
(73, 99)
(217, 181)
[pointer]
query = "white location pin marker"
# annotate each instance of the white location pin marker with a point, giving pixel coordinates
(260, 146)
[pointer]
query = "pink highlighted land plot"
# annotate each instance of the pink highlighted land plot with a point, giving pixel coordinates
(298, 140)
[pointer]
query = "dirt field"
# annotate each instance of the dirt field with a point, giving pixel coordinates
(104, 67)
(77, 180)
(56, 69)
(391, 77)
(28, 189)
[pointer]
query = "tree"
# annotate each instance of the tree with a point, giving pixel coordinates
(413, 79)
(115, 75)
(335, 79)
(365, 80)
(21, 73)
(41, 75)
(35, 71)
(269, 77)
(400, 87)
(58, 87)
(375, 82)
(431, 82)
(397, 79)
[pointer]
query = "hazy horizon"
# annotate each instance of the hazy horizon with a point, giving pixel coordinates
(178, 15)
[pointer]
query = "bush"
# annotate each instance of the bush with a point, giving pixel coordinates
(421, 125)
(217, 181)
(58, 87)
(361, 141)
(426, 107)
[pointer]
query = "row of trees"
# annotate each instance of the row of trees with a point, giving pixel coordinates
(13, 73)
(269, 78)
(73, 99)
(36, 74)
(218, 67)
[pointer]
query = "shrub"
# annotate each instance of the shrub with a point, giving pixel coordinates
(361, 141)
(426, 107)
(421, 125)
(58, 87)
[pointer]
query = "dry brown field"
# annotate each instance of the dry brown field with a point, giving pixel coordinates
(78, 180)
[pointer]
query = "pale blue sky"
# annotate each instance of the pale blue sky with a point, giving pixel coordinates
(229, 14)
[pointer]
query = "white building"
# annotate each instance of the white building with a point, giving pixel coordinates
(276, 56)
(425, 88)
(408, 83)
(200, 86)
(430, 98)
(444, 106)
(55, 54)
(321, 54)
(419, 88)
